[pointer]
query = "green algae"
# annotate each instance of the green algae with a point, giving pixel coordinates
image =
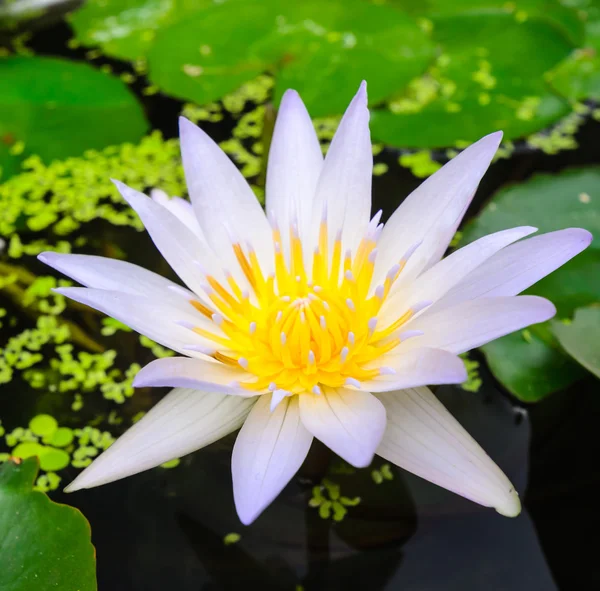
(327, 498)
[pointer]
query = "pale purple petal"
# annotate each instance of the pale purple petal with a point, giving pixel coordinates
(417, 367)
(179, 207)
(349, 422)
(182, 422)
(434, 283)
(344, 186)
(294, 166)
(519, 266)
(112, 275)
(425, 439)
(158, 320)
(182, 249)
(226, 208)
(474, 323)
(268, 452)
(199, 374)
(431, 214)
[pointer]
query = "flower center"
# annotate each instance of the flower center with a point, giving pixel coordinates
(305, 326)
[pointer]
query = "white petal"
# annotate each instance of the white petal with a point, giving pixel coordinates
(433, 211)
(425, 439)
(182, 249)
(439, 279)
(111, 274)
(156, 319)
(418, 367)
(225, 205)
(268, 451)
(345, 182)
(474, 323)
(295, 162)
(519, 266)
(349, 422)
(182, 422)
(199, 374)
(179, 207)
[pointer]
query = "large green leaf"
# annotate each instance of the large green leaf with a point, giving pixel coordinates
(530, 364)
(322, 49)
(547, 201)
(559, 15)
(56, 108)
(126, 28)
(45, 546)
(578, 78)
(495, 80)
(535, 366)
(581, 337)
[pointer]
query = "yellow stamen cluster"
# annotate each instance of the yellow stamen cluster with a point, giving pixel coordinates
(302, 329)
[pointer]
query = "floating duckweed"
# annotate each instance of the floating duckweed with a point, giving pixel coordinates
(327, 497)
(47, 482)
(21, 351)
(421, 163)
(138, 416)
(561, 136)
(384, 473)
(77, 403)
(483, 76)
(380, 168)
(212, 112)
(474, 381)
(419, 93)
(80, 189)
(43, 425)
(110, 326)
(55, 446)
(171, 463)
(119, 391)
(528, 107)
(256, 91)
(231, 538)
(157, 350)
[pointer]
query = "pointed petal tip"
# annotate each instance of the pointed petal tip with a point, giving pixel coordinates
(363, 462)
(290, 95)
(247, 516)
(583, 236)
(45, 256)
(495, 137)
(511, 505)
(361, 94)
(76, 484)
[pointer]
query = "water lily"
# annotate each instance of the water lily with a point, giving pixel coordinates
(315, 320)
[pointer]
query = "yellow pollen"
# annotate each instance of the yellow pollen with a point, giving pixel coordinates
(302, 328)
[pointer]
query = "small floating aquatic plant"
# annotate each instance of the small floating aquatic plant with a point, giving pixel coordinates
(314, 320)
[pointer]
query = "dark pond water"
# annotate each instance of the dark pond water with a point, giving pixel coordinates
(164, 529)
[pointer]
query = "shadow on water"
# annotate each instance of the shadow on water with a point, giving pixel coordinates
(165, 528)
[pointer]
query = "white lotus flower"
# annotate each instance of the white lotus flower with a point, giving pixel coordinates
(314, 321)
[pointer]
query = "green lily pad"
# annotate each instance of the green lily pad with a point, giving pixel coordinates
(532, 368)
(56, 108)
(323, 50)
(552, 202)
(44, 545)
(548, 201)
(479, 86)
(554, 12)
(578, 78)
(581, 337)
(530, 364)
(126, 28)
